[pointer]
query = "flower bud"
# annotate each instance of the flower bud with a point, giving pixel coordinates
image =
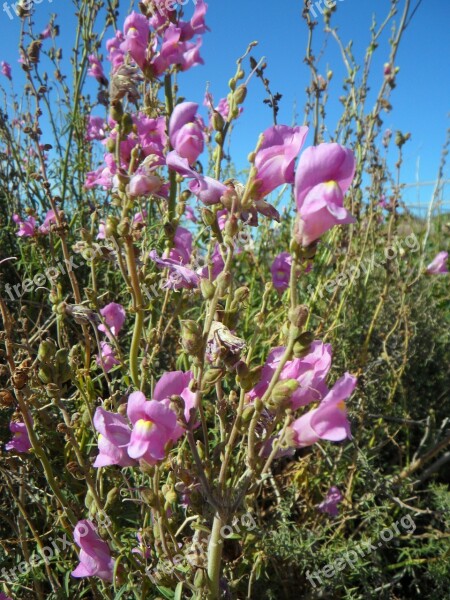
(116, 111)
(282, 393)
(191, 337)
(207, 288)
(127, 124)
(298, 315)
(208, 217)
(217, 121)
(47, 350)
(303, 344)
(240, 94)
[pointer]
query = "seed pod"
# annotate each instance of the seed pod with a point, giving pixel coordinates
(298, 315)
(282, 393)
(191, 337)
(217, 121)
(6, 399)
(47, 350)
(240, 94)
(207, 288)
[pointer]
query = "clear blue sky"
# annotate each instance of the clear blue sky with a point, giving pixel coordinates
(420, 100)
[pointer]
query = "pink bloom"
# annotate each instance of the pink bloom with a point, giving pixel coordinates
(6, 69)
(197, 24)
(190, 214)
(154, 425)
(275, 159)
(113, 440)
(116, 54)
(3, 596)
(176, 383)
(206, 189)
(27, 228)
(140, 217)
(439, 265)
(101, 235)
(322, 163)
(331, 501)
(96, 70)
(144, 185)
(214, 267)
(136, 31)
(182, 246)
(114, 316)
(324, 174)
(102, 176)
(185, 131)
(329, 420)
(47, 32)
(176, 52)
(180, 277)
(281, 271)
(95, 556)
(96, 129)
(49, 219)
(107, 359)
(21, 441)
(310, 372)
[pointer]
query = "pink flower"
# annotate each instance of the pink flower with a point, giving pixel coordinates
(310, 372)
(6, 69)
(180, 277)
(114, 316)
(144, 185)
(182, 246)
(439, 265)
(47, 32)
(101, 235)
(136, 31)
(140, 217)
(116, 54)
(186, 132)
(176, 383)
(96, 129)
(107, 359)
(96, 70)
(322, 163)
(275, 158)
(281, 271)
(27, 228)
(329, 420)
(95, 556)
(21, 441)
(324, 174)
(331, 501)
(206, 189)
(3, 596)
(49, 219)
(154, 425)
(113, 440)
(176, 52)
(214, 267)
(190, 214)
(197, 24)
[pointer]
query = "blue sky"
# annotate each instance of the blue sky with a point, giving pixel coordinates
(420, 100)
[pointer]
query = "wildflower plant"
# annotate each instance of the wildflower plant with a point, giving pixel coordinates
(166, 368)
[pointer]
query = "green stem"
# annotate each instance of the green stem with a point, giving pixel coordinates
(215, 548)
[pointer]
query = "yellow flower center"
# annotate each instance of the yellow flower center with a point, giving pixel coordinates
(144, 426)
